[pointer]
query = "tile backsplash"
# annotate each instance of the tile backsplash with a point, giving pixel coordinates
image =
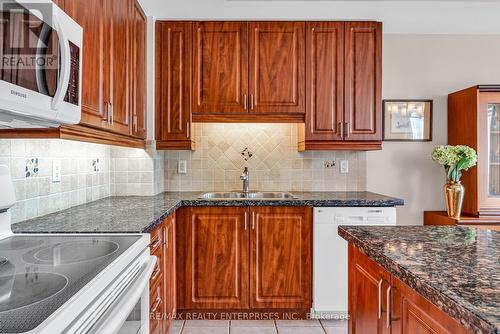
(87, 172)
(270, 152)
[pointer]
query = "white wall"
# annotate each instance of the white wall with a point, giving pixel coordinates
(424, 17)
(424, 66)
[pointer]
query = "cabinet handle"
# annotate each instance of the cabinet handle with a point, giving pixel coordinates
(388, 302)
(156, 272)
(108, 112)
(156, 305)
(166, 237)
(379, 297)
(253, 220)
(135, 122)
(246, 222)
(251, 102)
(245, 102)
(348, 129)
(156, 243)
(112, 117)
(341, 130)
(188, 129)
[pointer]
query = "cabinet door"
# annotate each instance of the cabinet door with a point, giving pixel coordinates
(173, 85)
(157, 283)
(368, 285)
(277, 67)
(324, 80)
(363, 81)
(118, 88)
(281, 257)
(220, 77)
(137, 66)
(413, 314)
(90, 16)
(217, 258)
(170, 270)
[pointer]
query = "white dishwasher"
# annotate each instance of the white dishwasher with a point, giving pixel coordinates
(330, 254)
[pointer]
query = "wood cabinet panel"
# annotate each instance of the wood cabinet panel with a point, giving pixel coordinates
(90, 16)
(368, 284)
(157, 308)
(281, 257)
(173, 85)
(138, 71)
(277, 67)
(324, 80)
(118, 87)
(413, 314)
(216, 258)
(220, 70)
(363, 80)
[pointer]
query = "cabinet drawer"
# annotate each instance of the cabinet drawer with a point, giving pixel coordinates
(156, 239)
(156, 308)
(157, 275)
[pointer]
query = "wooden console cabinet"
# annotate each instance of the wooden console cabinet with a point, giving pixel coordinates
(379, 303)
(474, 120)
(240, 258)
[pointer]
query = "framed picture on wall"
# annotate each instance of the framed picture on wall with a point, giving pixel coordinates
(407, 120)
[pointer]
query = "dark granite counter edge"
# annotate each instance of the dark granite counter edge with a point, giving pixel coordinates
(468, 318)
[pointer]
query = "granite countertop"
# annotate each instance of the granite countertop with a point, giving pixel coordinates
(457, 268)
(134, 214)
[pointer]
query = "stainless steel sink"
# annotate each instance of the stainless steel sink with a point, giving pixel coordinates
(250, 195)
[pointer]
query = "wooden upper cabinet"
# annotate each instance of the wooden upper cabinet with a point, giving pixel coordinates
(324, 80)
(363, 81)
(217, 258)
(368, 284)
(277, 67)
(90, 17)
(220, 69)
(281, 257)
(118, 24)
(173, 85)
(138, 71)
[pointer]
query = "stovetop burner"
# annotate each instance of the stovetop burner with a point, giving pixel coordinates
(25, 289)
(19, 243)
(71, 252)
(41, 272)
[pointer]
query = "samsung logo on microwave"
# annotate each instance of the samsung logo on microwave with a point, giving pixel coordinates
(13, 92)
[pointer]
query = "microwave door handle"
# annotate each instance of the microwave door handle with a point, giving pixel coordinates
(64, 73)
(43, 41)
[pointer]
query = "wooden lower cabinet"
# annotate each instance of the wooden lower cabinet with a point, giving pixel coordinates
(381, 303)
(216, 269)
(280, 257)
(240, 258)
(162, 291)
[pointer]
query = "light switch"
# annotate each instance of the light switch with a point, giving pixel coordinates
(344, 166)
(182, 167)
(56, 171)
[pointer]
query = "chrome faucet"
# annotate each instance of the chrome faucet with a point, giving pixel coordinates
(245, 177)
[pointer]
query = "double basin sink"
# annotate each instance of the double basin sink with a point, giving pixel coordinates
(250, 195)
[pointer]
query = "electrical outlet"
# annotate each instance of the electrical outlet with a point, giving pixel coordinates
(96, 165)
(182, 167)
(344, 166)
(56, 171)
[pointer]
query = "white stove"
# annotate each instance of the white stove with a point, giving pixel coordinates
(71, 283)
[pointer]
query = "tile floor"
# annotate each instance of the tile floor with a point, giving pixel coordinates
(259, 327)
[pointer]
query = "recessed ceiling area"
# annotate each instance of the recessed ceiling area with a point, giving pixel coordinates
(398, 16)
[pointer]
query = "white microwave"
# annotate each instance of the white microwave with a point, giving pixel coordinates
(40, 65)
